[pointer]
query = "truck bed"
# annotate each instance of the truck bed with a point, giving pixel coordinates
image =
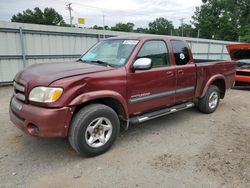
(207, 70)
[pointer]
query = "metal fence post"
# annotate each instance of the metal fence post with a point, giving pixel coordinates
(208, 50)
(22, 46)
(222, 50)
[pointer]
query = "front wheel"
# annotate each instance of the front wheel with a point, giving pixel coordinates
(94, 129)
(209, 103)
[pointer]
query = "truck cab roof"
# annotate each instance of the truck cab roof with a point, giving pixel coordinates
(146, 37)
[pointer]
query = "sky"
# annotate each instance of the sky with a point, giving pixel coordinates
(139, 12)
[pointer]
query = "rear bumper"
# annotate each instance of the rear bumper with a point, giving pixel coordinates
(39, 121)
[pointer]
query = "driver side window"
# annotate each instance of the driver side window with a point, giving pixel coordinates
(157, 51)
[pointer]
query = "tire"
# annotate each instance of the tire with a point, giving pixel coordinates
(206, 104)
(94, 129)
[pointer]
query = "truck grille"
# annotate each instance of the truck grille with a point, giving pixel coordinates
(19, 90)
(238, 83)
(243, 73)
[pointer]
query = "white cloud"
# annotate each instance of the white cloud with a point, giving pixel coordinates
(139, 12)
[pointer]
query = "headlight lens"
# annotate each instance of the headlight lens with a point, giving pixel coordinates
(45, 94)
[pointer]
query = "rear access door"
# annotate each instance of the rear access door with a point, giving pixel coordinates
(185, 71)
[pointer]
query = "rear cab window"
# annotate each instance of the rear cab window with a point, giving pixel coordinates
(181, 52)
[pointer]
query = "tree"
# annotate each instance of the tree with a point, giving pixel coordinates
(100, 27)
(161, 26)
(245, 34)
(47, 17)
(141, 30)
(125, 27)
(188, 31)
(222, 19)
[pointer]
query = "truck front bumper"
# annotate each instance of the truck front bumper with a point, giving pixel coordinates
(39, 121)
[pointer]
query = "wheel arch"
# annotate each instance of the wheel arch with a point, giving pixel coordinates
(109, 98)
(219, 81)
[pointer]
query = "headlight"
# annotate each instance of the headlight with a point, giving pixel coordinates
(45, 94)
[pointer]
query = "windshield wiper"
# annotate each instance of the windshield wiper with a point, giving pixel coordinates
(80, 60)
(103, 63)
(98, 62)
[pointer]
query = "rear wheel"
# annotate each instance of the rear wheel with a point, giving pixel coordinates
(209, 103)
(94, 129)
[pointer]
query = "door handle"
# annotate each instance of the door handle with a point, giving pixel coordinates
(180, 72)
(169, 73)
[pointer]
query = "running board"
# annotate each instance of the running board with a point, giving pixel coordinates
(159, 113)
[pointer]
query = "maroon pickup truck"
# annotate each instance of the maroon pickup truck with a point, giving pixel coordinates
(119, 81)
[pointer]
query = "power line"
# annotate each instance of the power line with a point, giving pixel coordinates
(128, 12)
(121, 13)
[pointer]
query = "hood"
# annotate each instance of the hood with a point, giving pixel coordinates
(239, 51)
(44, 74)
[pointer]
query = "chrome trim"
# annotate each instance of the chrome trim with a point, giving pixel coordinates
(14, 104)
(19, 91)
(185, 90)
(150, 97)
(143, 119)
(162, 94)
(190, 105)
(18, 87)
(173, 110)
(20, 96)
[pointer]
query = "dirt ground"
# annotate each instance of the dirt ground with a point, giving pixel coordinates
(185, 149)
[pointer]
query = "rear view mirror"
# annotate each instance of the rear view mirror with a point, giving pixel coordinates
(142, 64)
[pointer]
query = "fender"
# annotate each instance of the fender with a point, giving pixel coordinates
(211, 80)
(85, 97)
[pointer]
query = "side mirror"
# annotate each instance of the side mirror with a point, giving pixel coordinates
(142, 64)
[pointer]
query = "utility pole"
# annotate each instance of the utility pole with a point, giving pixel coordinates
(182, 20)
(198, 35)
(103, 23)
(68, 6)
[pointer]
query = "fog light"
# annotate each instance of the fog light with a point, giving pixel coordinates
(33, 129)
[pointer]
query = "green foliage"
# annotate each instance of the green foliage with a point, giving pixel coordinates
(141, 30)
(126, 27)
(214, 19)
(100, 27)
(188, 31)
(161, 26)
(245, 34)
(223, 19)
(47, 17)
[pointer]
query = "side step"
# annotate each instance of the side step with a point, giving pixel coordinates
(159, 113)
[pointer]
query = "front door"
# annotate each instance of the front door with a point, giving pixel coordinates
(154, 88)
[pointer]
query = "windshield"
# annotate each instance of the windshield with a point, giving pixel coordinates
(113, 52)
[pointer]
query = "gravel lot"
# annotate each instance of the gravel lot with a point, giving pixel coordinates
(185, 149)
